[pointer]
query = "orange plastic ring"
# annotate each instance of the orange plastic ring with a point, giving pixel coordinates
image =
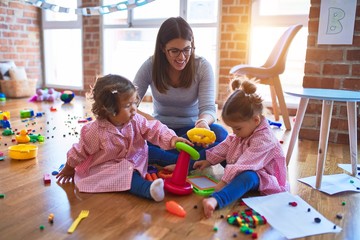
(164, 174)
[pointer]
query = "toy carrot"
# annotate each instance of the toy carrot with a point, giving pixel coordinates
(175, 208)
(148, 177)
(154, 176)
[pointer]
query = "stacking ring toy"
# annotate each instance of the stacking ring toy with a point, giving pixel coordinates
(177, 184)
(180, 146)
(201, 135)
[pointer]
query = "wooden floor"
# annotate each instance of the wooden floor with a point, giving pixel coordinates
(28, 202)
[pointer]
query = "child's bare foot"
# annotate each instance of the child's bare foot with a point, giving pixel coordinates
(170, 167)
(209, 205)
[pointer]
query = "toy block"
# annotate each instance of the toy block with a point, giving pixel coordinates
(4, 114)
(26, 113)
(47, 179)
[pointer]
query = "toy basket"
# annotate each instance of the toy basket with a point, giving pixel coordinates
(18, 89)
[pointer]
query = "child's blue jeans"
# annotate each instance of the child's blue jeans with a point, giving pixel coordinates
(163, 158)
(140, 186)
(241, 184)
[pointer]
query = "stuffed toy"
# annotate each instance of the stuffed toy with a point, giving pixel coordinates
(47, 95)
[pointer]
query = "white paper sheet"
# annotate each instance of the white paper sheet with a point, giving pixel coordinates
(348, 168)
(292, 222)
(336, 183)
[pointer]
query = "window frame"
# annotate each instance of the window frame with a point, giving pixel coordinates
(258, 20)
(133, 23)
(58, 25)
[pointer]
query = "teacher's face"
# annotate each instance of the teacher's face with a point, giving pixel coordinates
(178, 52)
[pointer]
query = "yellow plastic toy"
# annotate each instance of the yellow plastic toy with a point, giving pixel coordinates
(4, 114)
(23, 137)
(201, 135)
(23, 151)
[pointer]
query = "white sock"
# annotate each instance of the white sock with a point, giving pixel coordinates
(157, 190)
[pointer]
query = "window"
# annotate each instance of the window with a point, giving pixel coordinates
(63, 47)
(129, 36)
(270, 18)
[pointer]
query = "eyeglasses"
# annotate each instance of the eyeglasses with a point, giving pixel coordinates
(175, 52)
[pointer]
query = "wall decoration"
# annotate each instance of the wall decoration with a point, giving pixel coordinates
(89, 11)
(336, 22)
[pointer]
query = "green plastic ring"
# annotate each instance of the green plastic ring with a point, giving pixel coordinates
(195, 155)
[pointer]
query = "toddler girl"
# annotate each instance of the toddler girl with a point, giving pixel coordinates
(254, 157)
(112, 153)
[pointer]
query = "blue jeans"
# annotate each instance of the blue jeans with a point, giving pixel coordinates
(166, 157)
(241, 184)
(140, 186)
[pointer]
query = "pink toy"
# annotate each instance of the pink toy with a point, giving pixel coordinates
(47, 95)
(177, 184)
(47, 179)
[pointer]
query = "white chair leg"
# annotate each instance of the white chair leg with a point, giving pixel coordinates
(274, 103)
(281, 99)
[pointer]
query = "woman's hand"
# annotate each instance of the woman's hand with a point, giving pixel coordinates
(174, 140)
(201, 164)
(66, 175)
(202, 124)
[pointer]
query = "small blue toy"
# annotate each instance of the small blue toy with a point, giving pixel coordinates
(2, 97)
(277, 124)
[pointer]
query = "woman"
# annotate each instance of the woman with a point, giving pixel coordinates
(182, 85)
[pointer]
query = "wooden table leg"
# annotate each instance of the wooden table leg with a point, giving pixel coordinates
(352, 125)
(323, 140)
(295, 132)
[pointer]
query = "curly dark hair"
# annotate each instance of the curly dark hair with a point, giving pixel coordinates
(107, 92)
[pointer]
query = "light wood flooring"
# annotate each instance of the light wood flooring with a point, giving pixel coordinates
(28, 202)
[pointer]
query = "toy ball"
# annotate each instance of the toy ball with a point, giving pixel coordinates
(67, 96)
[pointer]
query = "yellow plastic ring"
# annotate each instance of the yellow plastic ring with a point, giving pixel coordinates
(201, 135)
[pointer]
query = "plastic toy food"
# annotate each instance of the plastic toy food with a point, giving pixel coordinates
(201, 135)
(175, 208)
(23, 151)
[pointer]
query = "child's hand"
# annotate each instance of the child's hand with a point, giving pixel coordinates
(201, 164)
(219, 186)
(174, 140)
(66, 175)
(203, 124)
(203, 145)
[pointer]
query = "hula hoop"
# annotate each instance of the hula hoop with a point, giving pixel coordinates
(201, 135)
(190, 150)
